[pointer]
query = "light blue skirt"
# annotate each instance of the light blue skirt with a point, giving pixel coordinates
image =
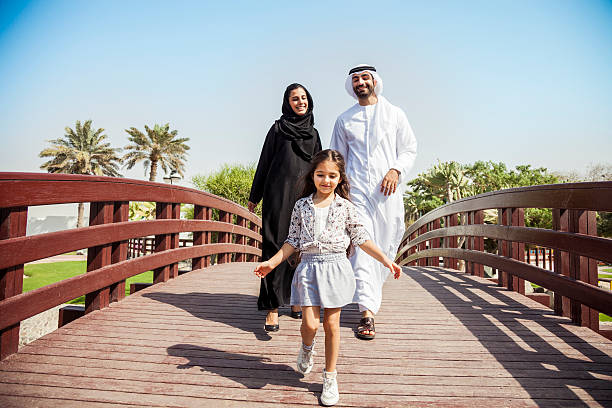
(323, 279)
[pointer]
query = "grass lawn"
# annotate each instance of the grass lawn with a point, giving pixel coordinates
(44, 274)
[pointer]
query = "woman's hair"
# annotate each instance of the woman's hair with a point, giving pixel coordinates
(343, 187)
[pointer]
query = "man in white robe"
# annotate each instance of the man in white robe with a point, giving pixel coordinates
(379, 147)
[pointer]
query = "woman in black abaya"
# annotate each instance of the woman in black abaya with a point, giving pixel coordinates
(285, 156)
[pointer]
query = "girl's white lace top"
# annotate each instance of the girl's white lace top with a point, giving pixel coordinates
(341, 227)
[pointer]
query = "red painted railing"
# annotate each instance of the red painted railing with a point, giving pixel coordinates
(106, 238)
(576, 247)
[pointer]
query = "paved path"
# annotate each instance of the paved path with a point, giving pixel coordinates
(61, 258)
(444, 339)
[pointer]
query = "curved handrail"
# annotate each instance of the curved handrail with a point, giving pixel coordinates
(577, 248)
(21, 250)
(236, 229)
(595, 196)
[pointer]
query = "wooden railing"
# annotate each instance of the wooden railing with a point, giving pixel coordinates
(573, 239)
(236, 230)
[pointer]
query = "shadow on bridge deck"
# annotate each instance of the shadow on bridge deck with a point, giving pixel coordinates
(444, 339)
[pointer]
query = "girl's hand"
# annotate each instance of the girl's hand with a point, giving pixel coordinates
(263, 269)
(251, 206)
(395, 269)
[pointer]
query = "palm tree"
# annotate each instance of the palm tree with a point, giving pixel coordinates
(158, 147)
(81, 151)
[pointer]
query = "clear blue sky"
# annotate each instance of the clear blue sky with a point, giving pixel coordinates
(523, 82)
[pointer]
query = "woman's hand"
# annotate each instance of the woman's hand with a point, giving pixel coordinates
(263, 269)
(251, 206)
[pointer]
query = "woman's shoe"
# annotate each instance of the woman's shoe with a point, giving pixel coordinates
(271, 327)
(296, 315)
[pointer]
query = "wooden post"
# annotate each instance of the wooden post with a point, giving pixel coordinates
(99, 256)
(503, 248)
(412, 249)
(583, 269)
(253, 242)
(174, 238)
(224, 237)
(422, 246)
(518, 249)
(479, 243)
(452, 241)
(561, 261)
(121, 212)
(13, 224)
(198, 237)
(162, 242)
(435, 243)
(469, 241)
(242, 240)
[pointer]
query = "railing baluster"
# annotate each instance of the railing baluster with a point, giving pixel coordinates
(452, 241)
(119, 251)
(163, 211)
(99, 256)
(583, 269)
(479, 243)
(562, 267)
(199, 213)
(252, 242)
(224, 237)
(435, 243)
(518, 249)
(422, 246)
(242, 240)
(174, 238)
(13, 224)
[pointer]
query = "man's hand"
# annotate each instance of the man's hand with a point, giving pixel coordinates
(252, 206)
(389, 182)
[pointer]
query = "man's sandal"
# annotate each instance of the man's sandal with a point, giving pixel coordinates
(366, 324)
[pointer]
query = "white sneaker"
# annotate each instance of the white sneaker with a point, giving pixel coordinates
(330, 395)
(305, 359)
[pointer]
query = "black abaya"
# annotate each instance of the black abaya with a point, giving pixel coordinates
(276, 182)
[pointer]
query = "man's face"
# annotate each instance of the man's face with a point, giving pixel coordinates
(363, 84)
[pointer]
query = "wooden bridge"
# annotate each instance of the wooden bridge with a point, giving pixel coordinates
(445, 337)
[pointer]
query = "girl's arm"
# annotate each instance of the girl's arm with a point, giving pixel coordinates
(266, 267)
(374, 251)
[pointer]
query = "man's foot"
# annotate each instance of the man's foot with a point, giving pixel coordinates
(330, 394)
(305, 358)
(366, 329)
(271, 324)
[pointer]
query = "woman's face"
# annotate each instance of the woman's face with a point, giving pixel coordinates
(298, 101)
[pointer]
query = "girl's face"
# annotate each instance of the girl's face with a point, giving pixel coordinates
(298, 101)
(326, 177)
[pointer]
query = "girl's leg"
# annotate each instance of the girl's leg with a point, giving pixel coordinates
(310, 323)
(331, 325)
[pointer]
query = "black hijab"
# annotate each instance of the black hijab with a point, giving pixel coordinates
(297, 128)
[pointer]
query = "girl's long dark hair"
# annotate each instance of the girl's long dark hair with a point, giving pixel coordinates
(342, 189)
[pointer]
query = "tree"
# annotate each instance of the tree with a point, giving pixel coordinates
(159, 147)
(230, 181)
(82, 151)
(443, 183)
(450, 181)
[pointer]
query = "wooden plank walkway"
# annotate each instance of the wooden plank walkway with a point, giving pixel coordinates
(444, 339)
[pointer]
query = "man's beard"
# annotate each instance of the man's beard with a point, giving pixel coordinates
(363, 92)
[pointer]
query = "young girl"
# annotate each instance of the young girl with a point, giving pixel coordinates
(323, 224)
